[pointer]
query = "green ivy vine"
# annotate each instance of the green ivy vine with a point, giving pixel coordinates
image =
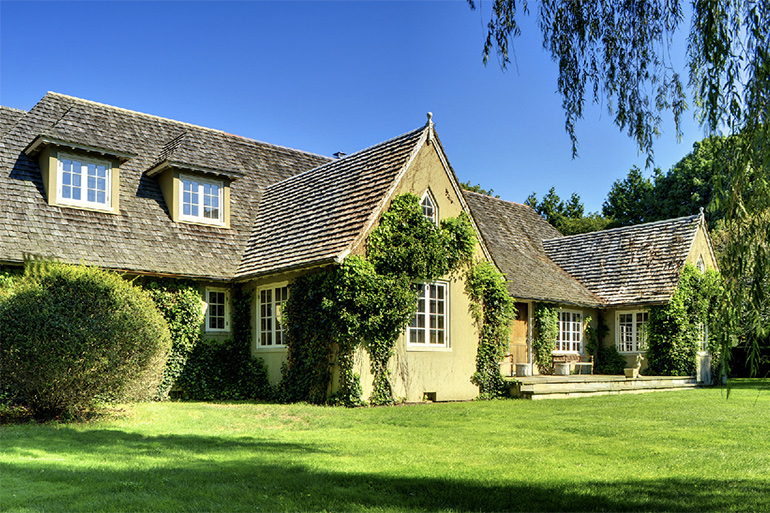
(180, 303)
(674, 330)
(493, 310)
(546, 327)
(607, 359)
(366, 302)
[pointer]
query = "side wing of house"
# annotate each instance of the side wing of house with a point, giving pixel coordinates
(514, 234)
(319, 217)
(633, 268)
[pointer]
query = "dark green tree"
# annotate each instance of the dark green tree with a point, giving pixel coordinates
(568, 217)
(630, 200)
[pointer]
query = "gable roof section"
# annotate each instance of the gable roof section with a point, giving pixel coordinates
(514, 235)
(633, 265)
(314, 218)
(142, 238)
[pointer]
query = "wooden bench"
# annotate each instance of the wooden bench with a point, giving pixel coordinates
(584, 363)
(578, 364)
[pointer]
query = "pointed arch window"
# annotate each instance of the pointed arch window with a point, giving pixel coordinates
(429, 208)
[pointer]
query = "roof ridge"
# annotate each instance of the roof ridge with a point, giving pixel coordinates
(13, 108)
(346, 157)
(184, 123)
(625, 228)
(498, 199)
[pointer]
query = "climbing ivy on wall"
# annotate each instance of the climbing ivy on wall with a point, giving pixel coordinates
(546, 325)
(225, 369)
(180, 303)
(367, 302)
(493, 309)
(675, 330)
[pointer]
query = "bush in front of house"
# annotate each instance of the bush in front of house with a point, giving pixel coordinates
(73, 335)
(223, 371)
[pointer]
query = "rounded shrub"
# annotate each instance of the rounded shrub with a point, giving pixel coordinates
(70, 335)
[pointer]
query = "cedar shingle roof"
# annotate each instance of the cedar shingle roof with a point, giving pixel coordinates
(8, 118)
(142, 238)
(514, 235)
(631, 265)
(316, 217)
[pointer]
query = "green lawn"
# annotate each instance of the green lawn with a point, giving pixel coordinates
(672, 451)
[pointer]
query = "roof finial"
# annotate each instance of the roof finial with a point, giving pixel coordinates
(701, 210)
(430, 127)
(430, 118)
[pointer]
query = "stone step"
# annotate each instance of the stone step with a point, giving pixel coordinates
(564, 389)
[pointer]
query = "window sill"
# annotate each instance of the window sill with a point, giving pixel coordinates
(427, 349)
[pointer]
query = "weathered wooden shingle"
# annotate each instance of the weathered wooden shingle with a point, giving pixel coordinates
(8, 118)
(632, 265)
(514, 235)
(314, 217)
(142, 238)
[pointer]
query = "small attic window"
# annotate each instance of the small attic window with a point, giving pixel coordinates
(84, 182)
(701, 265)
(429, 209)
(201, 200)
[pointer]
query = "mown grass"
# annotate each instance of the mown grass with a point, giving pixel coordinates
(675, 451)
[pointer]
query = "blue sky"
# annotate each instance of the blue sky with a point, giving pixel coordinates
(326, 77)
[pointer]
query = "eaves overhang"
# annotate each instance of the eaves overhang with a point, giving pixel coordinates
(42, 141)
(160, 167)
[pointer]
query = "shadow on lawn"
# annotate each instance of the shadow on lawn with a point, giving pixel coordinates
(112, 470)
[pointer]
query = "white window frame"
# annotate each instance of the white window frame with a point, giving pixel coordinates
(638, 331)
(570, 346)
(83, 201)
(703, 339)
(421, 322)
(200, 218)
(431, 200)
(700, 264)
(272, 325)
(226, 310)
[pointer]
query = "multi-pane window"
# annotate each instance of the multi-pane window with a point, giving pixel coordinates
(216, 310)
(632, 331)
(703, 337)
(570, 337)
(270, 301)
(428, 326)
(201, 199)
(84, 181)
(429, 207)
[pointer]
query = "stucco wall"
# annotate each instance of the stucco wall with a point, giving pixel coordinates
(445, 372)
(274, 357)
(700, 248)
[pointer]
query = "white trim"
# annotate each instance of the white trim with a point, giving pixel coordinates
(200, 182)
(83, 179)
(421, 323)
(226, 312)
(268, 332)
(639, 340)
(432, 204)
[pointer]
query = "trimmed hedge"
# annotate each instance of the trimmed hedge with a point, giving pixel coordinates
(70, 335)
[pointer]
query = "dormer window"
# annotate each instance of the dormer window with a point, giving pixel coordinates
(201, 199)
(84, 182)
(429, 209)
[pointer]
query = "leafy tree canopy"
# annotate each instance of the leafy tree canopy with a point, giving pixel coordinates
(477, 188)
(567, 217)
